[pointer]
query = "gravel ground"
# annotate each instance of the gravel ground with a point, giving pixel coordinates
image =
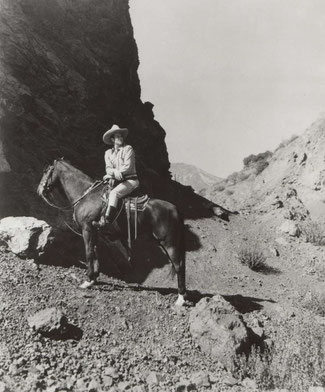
(130, 337)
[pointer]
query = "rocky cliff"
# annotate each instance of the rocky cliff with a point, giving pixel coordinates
(68, 71)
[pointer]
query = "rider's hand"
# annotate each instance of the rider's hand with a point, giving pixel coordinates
(106, 178)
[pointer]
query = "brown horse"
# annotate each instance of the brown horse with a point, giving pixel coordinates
(160, 219)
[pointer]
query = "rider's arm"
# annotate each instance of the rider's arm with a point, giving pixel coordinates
(128, 164)
(109, 165)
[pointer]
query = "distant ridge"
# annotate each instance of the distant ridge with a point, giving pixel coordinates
(191, 175)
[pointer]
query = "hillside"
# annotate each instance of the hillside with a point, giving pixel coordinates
(191, 175)
(297, 163)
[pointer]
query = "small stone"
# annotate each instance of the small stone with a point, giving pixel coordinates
(3, 387)
(290, 228)
(114, 389)
(249, 384)
(153, 378)
(185, 385)
(123, 386)
(13, 369)
(139, 388)
(275, 252)
(107, 381)
(230, 380)
(201, 379)
(93, 386)
(180, 387)
(112, 372)
(81, 384)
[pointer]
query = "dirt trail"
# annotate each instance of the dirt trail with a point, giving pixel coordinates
(138, 330)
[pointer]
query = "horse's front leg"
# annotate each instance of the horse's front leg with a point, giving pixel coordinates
(90, 242)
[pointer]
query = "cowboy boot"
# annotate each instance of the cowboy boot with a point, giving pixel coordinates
(107, 218)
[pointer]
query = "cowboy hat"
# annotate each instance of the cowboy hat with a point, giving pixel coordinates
(115, 129)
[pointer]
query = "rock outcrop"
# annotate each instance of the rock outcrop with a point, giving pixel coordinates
(68, 71)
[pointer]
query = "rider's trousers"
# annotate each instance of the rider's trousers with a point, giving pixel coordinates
(121, 190)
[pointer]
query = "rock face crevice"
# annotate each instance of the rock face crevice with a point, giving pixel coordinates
(68, 71)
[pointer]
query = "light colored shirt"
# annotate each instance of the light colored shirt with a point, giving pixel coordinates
(120, 163)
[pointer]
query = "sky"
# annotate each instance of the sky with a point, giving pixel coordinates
(230, 78)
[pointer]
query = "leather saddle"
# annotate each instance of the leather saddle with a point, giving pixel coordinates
(135, 200)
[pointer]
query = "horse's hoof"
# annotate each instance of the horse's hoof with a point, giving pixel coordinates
(180, 300)
(87, 284)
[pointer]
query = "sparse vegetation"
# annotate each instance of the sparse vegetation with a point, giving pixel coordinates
(219, 188)
(315, 302)
(294, 361)
(251, 256)
(233, 178)
(313, 232)
(260, 166)
(253, 159)
(242, 176)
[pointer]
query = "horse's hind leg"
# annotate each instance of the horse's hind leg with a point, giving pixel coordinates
(90, 241)
(178, 263)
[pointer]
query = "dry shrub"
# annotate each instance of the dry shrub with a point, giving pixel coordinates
(260, 166)
(219, 188)
(253, 159)
(252, 257)
(313, 232)
(295, 361)
(233, 178)
(242, 176)
(315, 302)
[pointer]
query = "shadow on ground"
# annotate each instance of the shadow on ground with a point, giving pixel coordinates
(243, 304)
(68, 250)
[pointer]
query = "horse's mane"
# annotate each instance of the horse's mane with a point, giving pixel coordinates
(81, 174)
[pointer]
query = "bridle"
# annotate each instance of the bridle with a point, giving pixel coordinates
(48, 173)
(43, 186)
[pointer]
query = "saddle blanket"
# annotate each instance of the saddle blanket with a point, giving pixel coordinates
(138, 203)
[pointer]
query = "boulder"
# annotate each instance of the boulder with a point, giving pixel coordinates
(219, 329)
(26, 236)
(291, 228)
(48, 321)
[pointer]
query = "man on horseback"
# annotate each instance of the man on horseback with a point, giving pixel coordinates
(120, 170)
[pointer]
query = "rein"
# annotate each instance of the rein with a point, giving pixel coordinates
(93, 186)
(53, 205)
